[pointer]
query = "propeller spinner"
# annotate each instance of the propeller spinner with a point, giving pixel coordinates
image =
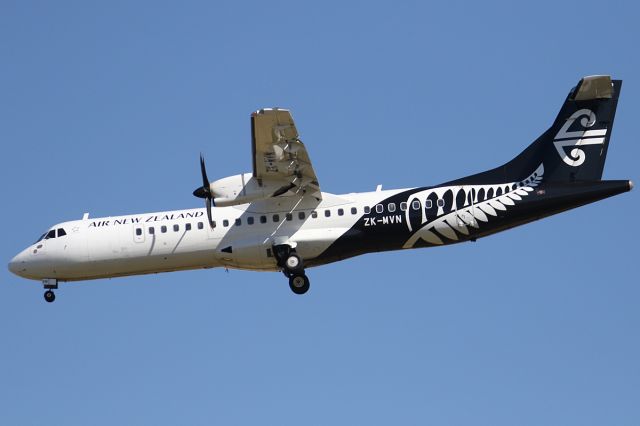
(205, 191)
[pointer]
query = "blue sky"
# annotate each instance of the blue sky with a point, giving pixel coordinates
(105, 109)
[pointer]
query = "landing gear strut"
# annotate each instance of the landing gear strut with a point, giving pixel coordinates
(292, 267)
(50, 284)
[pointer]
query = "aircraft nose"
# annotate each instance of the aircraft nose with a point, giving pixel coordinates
(16, 265)
(13, 265)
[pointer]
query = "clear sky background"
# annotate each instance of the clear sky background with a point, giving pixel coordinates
(105, 107)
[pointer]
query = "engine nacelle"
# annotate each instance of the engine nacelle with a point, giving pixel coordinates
(241, 189)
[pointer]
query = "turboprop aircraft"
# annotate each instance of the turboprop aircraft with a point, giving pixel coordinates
(278, 219)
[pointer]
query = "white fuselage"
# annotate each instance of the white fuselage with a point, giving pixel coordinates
(182, 239)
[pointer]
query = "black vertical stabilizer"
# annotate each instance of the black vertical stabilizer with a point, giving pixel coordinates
(574, 148)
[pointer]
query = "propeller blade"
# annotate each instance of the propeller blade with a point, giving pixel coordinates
(203, 169)
(208, 204)
(205, 191)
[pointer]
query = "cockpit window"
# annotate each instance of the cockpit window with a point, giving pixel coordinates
(50, 234)
(61, 233)
(41, 237)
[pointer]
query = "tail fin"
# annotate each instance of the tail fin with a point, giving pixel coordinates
(574, 148)
(576, 145)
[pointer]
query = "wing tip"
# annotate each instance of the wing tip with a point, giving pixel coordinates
(265, 110)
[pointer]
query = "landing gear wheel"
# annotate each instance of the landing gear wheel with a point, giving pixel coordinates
(49, 296)
(299, 283)
(293, 262)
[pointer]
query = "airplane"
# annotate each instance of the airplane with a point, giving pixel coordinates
(276, 218)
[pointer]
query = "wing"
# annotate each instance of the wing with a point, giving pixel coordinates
(278, 154)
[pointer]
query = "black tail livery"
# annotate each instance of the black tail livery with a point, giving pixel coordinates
(559, 171)
(574, 148)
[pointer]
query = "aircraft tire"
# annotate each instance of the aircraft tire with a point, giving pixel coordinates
(299, 283)
(49, 296)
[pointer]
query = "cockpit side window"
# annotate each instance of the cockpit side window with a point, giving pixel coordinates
(50, 234)
(61, 232)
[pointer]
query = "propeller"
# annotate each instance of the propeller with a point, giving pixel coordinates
(205, 191)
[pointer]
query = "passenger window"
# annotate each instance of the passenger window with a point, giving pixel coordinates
(50, 234)
(163, 229)
(250, 220)
(354, 210)
(403, 206)
(440, 202)
(138, 231)
(151, 230)
(415, 205)
(391, 207)
(225, 223)
(340, 212)
(289, 216)
(187, 227)
(327, 213)
(301, 215)
(263, 219)
(428, 204)
(379, 208)
(367, 209)
(276, 218)
(61, 233)
(314, 214)
(176, 228)
(238, 222)
(200, 225)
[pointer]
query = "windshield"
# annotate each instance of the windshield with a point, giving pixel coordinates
(52, 234)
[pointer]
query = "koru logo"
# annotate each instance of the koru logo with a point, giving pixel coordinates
(578, 138)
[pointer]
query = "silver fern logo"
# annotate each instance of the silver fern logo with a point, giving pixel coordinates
(471, 204)
(566, 138)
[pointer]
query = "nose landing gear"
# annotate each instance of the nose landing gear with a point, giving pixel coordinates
(292, 267)
(50, 284)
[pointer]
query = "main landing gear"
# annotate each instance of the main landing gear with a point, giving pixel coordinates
(292, 267)
(50, 284)
(299, 283)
